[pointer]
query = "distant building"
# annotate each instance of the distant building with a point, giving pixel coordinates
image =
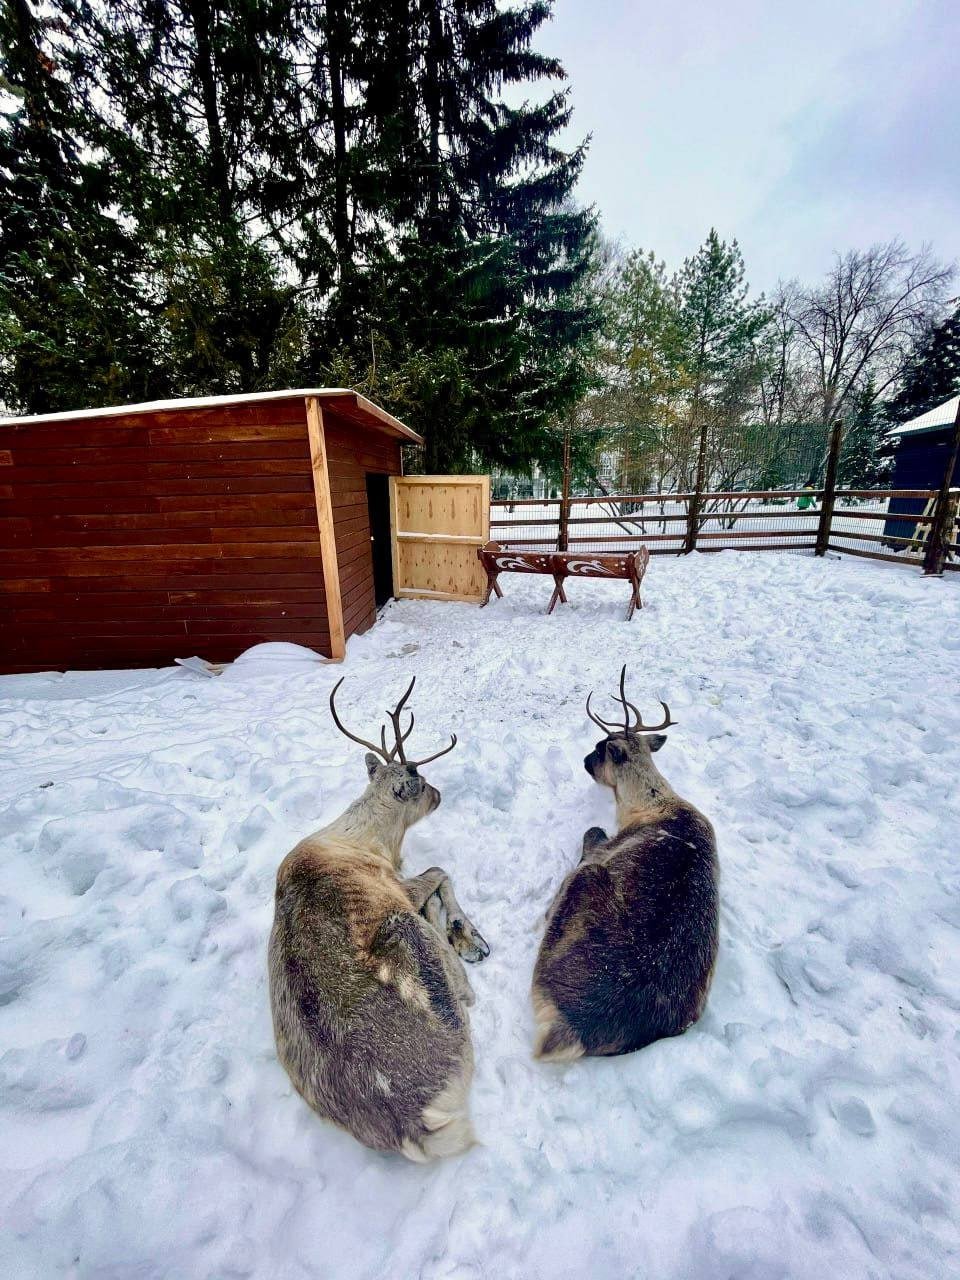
(609, 463)
(506, 486)
(922, 447)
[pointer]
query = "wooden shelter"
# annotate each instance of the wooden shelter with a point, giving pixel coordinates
(922, 450)
(134, 535)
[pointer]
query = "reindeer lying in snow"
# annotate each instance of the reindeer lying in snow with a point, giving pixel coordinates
(631, 937)
(367, 987)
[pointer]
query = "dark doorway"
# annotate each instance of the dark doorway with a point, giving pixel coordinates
(378, 506)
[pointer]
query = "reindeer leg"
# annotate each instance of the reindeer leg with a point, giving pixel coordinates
(464, 937)
(453, 965)
(423, 892)
(420, 888)
(592, 839)
(460, 932)
(402, 945)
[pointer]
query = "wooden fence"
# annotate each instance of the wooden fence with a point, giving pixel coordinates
(904, 526)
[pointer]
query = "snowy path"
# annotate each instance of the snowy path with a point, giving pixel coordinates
(808, 1126)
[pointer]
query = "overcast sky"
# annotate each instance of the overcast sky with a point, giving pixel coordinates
(798, 128)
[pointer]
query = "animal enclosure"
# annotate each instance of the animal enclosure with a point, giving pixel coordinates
(135, 535)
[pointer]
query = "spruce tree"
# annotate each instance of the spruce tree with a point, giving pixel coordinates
(216, 195)
(862, 464)
(479, 305)
(932, 374)
(643, 377)
(77, 326)
(207, 98)
(721, 332)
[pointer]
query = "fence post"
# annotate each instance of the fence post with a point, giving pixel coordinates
(942, 520)
(563, 524)
(696, 501)
(693, 520)
(829, 490)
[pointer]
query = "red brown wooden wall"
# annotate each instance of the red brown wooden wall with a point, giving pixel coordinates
(351, 453)
(132, 540)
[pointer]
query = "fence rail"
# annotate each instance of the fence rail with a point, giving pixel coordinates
(905, 526)
(920, 526)
(885, 524)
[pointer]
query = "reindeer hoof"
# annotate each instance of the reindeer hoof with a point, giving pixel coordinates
(467, 942)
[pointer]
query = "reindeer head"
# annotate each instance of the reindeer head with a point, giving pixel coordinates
(625, 749)
(395, 781)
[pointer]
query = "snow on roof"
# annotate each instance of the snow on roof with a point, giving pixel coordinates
(366, 410)
(944, 415)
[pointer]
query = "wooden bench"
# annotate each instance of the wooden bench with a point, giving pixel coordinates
(628, 565)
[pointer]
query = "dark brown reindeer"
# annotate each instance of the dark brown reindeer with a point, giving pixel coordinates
(631, 937)
(367, 988)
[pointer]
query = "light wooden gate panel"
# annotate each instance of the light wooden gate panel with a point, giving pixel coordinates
(438, 523)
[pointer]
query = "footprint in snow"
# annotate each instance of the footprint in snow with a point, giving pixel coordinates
(855, 1116)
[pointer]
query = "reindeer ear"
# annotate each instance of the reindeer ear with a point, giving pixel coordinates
(656, 740)
(373, 765)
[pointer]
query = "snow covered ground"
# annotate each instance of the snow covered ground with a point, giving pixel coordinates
(807, 1127)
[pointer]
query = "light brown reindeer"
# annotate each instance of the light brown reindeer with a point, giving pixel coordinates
(367, 988)
(631, 937)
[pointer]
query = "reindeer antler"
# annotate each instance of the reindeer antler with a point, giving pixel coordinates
(396, 752)
(611, 727)
(399, 738)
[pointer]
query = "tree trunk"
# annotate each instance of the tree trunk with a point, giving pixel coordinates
(693, 515)
(432, 103)
(205, 67)
(341, 213)
(829, 489)
(564, 521)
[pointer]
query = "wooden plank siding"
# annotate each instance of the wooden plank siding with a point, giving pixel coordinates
(130, 540)
(316, 436)
(352, 452)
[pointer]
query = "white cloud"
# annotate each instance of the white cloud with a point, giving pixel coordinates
(799, 131)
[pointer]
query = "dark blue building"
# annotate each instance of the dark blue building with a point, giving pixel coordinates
(922, 450)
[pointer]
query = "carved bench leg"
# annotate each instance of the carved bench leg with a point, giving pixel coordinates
(558, 593)
(492, 585)
(635, 601)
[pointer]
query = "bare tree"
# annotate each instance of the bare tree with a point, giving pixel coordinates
(864, 319)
